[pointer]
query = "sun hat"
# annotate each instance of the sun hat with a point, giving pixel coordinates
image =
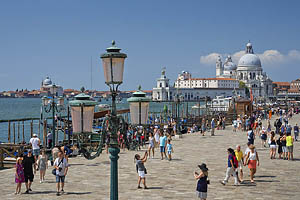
(34, 135)
(203, 167)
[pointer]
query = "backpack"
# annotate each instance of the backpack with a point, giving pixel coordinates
(235, 161)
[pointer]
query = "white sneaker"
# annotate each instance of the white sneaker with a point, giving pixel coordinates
(40, 181)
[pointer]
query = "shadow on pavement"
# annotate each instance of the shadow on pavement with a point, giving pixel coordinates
(266, 181)
(77, 193)
(265, 176)
(155, 188)
(41, 192)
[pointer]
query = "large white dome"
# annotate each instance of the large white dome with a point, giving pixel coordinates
(47, 81)
(249, 60)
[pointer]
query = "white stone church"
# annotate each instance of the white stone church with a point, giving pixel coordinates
(248, 70)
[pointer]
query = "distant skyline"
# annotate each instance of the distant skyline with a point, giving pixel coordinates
(58, 39)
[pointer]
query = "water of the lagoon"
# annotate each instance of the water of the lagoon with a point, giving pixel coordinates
(16, 108)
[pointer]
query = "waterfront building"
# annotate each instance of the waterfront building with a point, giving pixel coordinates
(51, 88)
(193, 89)
(249, 70)
(163, 91)
(295, 84)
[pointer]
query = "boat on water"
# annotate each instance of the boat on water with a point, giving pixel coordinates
(103, 107)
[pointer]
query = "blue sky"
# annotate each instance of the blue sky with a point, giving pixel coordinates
(58, 38)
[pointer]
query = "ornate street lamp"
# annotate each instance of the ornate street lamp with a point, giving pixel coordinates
(54, 105)
(139, 107)
(113, 67)
(178, 99)
(82, 112)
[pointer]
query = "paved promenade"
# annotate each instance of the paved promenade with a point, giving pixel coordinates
(89, 179)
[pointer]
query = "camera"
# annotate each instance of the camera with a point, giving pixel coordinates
(59, 169)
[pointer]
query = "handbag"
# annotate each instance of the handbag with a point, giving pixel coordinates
(145, 170)
(54, 170)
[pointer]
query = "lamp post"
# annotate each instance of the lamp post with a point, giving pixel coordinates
(178, 99)
(139, 107)
(82, 112)
(233, 100)
(113, 67)
(55, 105)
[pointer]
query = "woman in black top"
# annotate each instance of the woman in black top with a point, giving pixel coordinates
(279, 143)
(201, 190)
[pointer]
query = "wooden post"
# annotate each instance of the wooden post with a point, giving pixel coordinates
(8, 138)
(31, 128)
(65, 127)
(1, 158)
(14, 130)
(45, 133)
(23, 133)
(39, 128)
(56, 138)
(18, 132)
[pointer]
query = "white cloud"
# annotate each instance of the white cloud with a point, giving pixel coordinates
(269, 57)
(210, 58)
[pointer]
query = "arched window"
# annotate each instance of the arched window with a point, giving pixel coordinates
(160, 84)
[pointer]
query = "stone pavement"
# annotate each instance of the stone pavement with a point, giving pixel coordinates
(89, 179)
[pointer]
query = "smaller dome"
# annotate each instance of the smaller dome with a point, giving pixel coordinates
(229, 64)
(47, 81)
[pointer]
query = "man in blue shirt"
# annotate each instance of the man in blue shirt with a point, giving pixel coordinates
(162, 145)
(231, 169)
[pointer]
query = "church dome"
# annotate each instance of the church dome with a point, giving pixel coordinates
(249, 60)
(229, 65)
(47, 81)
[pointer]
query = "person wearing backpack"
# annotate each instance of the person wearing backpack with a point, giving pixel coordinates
(61, 166)
(251, 136)
(231, 169)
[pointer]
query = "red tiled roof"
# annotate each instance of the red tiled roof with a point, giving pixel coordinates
(282, 83)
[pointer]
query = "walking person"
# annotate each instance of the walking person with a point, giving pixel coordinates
(212, 125)
(252, 160)
(61, 166)
(42, 165)
(272, 145)
(289, 146)
(231, 168)
(240, 158)
(156, 136)
(151, 145)
(19, 175)
(35, 143)
(28, 163)
(201, 191)
(162, 145)
(263, 137)
(169, 149)
(279, 144)
(49, 138)
(203, 127)
(251, 136)
(296, 132)
(284, 149)
(141, 169)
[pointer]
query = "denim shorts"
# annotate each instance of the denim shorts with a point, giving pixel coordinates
(60, 179)
(162, 149)
(36, 152)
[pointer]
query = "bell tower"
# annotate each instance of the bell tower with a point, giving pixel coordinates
(219, 67)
